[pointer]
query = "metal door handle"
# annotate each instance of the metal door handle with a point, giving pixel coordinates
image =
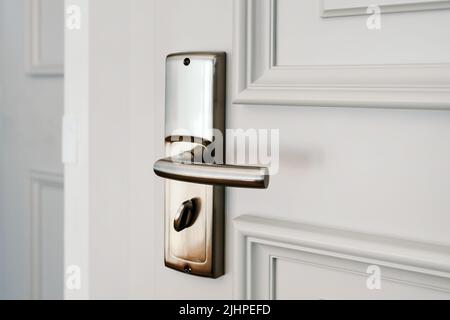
(183, 168)
(194, 206)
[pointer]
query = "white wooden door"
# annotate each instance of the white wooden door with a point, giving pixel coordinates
(31, 180)
(360, 205)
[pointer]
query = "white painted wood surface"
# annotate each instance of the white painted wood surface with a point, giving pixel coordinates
(341, 8)
(269, 70)
(97, 232)
(44, 36)
(380, 173)
(47, 234)
(31, 186)
(285, 260)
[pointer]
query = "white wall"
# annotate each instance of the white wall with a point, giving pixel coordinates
(30, 125)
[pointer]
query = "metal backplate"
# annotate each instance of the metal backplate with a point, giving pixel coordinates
(195, 97)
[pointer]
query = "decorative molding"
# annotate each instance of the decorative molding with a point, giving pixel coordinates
(279, 240)
(39, 180)
(342, 10)
(260, 80)
(35, 65)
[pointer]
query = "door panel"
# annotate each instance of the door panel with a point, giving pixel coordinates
(31, 180)
(349, 61)
(306, 38)
(286, 260)
(330, 283)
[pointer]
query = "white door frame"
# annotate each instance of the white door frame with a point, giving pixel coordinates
(97, 171)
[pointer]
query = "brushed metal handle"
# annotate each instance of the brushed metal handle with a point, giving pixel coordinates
(213, 174)
(183, 168)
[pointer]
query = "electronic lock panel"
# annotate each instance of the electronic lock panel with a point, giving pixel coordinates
(194, 167)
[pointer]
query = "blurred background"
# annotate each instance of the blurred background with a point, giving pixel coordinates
(31, 180)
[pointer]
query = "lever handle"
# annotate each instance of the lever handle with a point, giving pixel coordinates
(214, 174)
(178, 168)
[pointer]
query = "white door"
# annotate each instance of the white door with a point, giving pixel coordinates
(31, 180)
(359, 206)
